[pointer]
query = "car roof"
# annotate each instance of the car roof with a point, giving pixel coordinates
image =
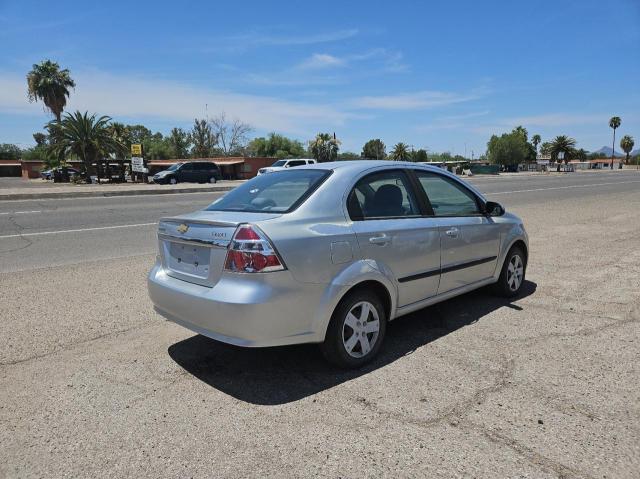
(361, 165)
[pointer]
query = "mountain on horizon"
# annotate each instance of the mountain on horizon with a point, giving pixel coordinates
(606, 150)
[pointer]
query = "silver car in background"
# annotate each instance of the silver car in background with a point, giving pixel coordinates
(329, 253)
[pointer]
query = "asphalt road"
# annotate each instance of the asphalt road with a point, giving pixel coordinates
(38, 233)
(93, 383)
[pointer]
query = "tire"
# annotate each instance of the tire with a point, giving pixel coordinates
(340, 335)
(510, 284)
(212, 179)
(173, 180)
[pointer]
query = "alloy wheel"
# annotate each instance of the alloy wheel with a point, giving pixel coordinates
(361, 329)
(515, 272)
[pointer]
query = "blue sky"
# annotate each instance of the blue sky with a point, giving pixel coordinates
(437, 75)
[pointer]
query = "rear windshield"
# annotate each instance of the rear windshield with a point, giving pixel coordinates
(279, 192)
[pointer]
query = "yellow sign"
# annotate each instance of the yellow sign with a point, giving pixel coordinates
(136, 149)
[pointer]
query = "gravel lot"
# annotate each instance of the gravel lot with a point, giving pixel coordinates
(94, 384)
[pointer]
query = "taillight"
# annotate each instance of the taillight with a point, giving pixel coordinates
(250, 251)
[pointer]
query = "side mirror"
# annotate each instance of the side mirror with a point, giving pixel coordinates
(491, 208)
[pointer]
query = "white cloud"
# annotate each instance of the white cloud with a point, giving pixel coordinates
(139, 98)
(412, 101)
(258, 38)
(557, 119)
(321, 60)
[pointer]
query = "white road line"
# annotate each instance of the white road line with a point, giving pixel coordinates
(21, 212)
(77, 230)
(561, 187)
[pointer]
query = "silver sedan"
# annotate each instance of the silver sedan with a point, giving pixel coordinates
(329, 253)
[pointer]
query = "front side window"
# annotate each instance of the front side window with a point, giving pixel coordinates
(385, 194)
(446, 196)
(297, 163)
(277, 192)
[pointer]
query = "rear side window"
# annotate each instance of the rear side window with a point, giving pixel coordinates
(446, 196)
(278, 192)
(381, 195)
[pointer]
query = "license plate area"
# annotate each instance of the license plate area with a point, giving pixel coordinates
(189, 259)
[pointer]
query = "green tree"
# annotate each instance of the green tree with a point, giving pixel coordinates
(581, 154)
(138, 133)
(275, 145)
(348, 156)
(400, 152)
(179, 142)
(563, 143)
(374, 150)
(40, 138)
(509, 148)
(122, 135)
(545, 148)
(324, 147)
(46, 82)
(203, 139)
(84, 136)
(626, 143)
(614, 122)
(420, 155)
(535, 141)
(522, 131)
(9, 151)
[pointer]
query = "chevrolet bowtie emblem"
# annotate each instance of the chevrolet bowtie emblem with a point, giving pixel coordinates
(182, 228)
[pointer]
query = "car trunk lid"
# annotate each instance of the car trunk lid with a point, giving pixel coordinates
(193, 247)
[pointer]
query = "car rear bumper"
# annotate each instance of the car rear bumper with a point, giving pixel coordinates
(269, 309)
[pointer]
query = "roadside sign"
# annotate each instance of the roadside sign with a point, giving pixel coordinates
(136, 149)
(137, 164)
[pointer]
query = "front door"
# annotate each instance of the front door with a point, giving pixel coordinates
(392, 233)
(469, 240)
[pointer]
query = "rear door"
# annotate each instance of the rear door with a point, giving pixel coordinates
(469, 240)
(392, 232)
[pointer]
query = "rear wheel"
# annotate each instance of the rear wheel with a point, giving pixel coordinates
(212, 179)
(356, 330)
(512, 274)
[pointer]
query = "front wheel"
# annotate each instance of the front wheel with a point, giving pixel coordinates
(212, 179)
(512, 274)
(173, 180)
(356, 330)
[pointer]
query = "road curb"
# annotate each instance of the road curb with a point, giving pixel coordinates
(97, 194)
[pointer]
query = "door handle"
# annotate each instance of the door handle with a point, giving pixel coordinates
(381, 240)
(452, 232)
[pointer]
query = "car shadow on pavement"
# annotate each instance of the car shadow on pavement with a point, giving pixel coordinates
(271, 376)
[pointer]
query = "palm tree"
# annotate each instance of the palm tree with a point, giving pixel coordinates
(48, 83)
(626, 143)
(614, 123)
(400, 152)
(85, 137)
(565, 144)
(535, 141)
(324, 147)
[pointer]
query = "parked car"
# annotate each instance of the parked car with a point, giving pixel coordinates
(189, 172)
(329, 253)
(48, 174)
(282, 164)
